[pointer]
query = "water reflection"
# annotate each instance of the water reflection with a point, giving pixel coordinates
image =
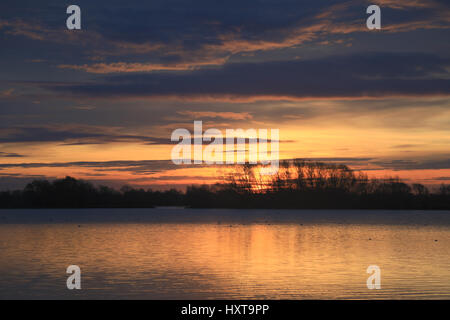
(226, 260)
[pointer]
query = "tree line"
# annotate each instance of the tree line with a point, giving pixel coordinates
(73, 193)
(297, 185)
(314, 185)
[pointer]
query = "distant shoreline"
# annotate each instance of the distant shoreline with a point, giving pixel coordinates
(298, 185)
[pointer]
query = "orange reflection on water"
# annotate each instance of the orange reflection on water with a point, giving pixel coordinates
(212, 260)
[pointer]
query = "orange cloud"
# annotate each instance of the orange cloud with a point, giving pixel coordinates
(140, 67)
(405, 4)
(224, 115)
(6, 93)
(234, 42)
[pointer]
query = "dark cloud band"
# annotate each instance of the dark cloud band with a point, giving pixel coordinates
(368, 75)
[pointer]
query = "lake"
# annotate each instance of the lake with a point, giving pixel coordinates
(174, 253)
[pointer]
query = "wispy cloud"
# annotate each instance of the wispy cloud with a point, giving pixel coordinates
(117, 67)
(212, 114)
(355, 76)
(410, 164)
(8, 93)
(10, 155)
(224, 36)
(77, 135)
(142, 167)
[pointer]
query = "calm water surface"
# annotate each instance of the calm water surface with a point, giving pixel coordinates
(224, 254)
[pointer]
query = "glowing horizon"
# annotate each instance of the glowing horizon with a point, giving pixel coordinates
(101, 103)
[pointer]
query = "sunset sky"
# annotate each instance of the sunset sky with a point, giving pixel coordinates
(101, 103)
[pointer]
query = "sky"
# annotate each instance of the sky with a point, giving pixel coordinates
(101, 103)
